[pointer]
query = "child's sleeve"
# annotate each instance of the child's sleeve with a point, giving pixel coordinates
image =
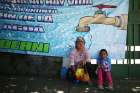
(98, 61)
(109, 61)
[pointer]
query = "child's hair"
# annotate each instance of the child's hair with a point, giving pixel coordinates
(103, 50)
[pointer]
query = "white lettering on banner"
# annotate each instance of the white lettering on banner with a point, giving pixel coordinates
(48, 19)
(25, 28)
(26, 1)
(79, 2)
(55, 2)
(40, 18)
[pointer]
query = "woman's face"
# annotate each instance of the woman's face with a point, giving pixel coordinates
(79, 45)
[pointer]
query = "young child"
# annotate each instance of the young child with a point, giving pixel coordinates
(104, 70)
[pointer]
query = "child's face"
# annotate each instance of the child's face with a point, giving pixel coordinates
(103, 54)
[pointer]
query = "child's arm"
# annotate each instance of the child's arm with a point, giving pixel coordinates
(96, 71)
(109, 60)
(99, 65)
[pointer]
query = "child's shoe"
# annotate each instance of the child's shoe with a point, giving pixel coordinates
(101, 87)
(110, 88)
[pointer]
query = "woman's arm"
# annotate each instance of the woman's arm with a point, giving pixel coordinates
(88, 56)
(71, 59)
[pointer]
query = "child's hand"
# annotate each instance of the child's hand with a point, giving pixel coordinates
(96, 71)
(99, 66)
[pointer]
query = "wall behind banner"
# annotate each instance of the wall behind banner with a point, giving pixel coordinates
(50, 27)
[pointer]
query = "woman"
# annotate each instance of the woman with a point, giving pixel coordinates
(79, 56)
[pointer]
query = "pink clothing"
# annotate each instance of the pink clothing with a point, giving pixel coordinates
(76, 56)
(103, 76)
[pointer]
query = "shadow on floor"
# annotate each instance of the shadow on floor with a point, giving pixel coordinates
(24, 84)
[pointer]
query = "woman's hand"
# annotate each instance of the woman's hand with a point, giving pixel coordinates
(73, 68)
(81, 63)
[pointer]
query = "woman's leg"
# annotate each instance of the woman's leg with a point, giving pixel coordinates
(89, 69)
(70, 74)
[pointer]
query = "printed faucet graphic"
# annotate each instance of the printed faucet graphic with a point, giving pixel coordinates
(100, 17)
(101, 6)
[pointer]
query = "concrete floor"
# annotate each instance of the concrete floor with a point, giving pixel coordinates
(24, 84)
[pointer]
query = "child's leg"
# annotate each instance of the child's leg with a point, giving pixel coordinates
(104, 77)
(109, 78)
(100, 77)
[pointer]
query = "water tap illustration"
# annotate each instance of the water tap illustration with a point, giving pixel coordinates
(101, 6)
(100, 17)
